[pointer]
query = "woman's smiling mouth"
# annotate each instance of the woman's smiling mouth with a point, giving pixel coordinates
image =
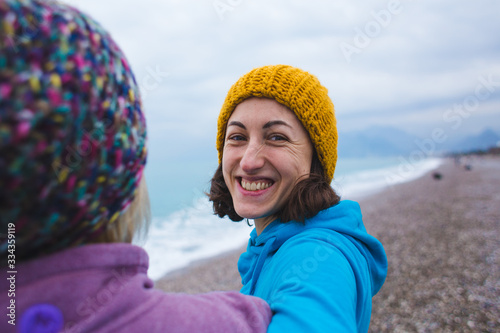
(255, 185)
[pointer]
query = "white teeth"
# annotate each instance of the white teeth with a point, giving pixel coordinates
(254, 186)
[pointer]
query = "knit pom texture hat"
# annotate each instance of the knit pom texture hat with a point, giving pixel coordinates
(72, 130)
(299, 91)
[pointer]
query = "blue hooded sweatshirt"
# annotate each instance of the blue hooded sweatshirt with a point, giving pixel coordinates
(319, 276)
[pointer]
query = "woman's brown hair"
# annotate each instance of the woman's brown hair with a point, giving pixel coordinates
(308, 197)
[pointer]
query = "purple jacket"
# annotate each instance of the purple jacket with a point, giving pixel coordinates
(104, 288)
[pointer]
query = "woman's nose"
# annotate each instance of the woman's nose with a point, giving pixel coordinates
(253, 157)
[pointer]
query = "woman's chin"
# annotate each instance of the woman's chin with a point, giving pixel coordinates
(253, 215)
(248, 213)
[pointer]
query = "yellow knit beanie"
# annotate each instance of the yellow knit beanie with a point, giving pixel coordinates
(299, 91)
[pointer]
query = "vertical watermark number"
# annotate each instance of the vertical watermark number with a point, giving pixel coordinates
(11, 273)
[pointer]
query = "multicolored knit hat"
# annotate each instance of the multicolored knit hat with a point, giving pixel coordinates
(72, 129)
(299, 91)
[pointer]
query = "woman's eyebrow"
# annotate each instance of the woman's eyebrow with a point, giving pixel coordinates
(267, 125)
(236, 123)
(274, 123)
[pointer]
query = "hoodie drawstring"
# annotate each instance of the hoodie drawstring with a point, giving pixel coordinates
(260, 262)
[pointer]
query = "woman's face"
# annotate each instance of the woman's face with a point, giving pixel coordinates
(266, 150)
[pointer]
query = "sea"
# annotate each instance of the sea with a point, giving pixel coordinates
(184, 228)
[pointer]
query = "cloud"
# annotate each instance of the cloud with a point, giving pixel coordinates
(414, 59)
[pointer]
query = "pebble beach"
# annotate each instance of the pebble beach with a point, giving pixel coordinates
(441, 234)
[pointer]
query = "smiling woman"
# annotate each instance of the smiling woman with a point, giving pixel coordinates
(266, 151)
(309, 255)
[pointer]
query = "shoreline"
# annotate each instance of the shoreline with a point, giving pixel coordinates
(169, 281)
(441, 235)
(351, 186)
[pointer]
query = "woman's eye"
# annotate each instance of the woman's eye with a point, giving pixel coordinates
(277, 137)
(236, 137)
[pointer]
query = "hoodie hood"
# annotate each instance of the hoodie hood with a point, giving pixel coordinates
(344, 219)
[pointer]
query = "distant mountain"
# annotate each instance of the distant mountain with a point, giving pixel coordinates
(482, 141)
(390, 141)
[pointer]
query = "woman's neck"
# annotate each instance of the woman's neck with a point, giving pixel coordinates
(262, 223)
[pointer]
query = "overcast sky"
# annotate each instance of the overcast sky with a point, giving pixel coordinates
(416, 65)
